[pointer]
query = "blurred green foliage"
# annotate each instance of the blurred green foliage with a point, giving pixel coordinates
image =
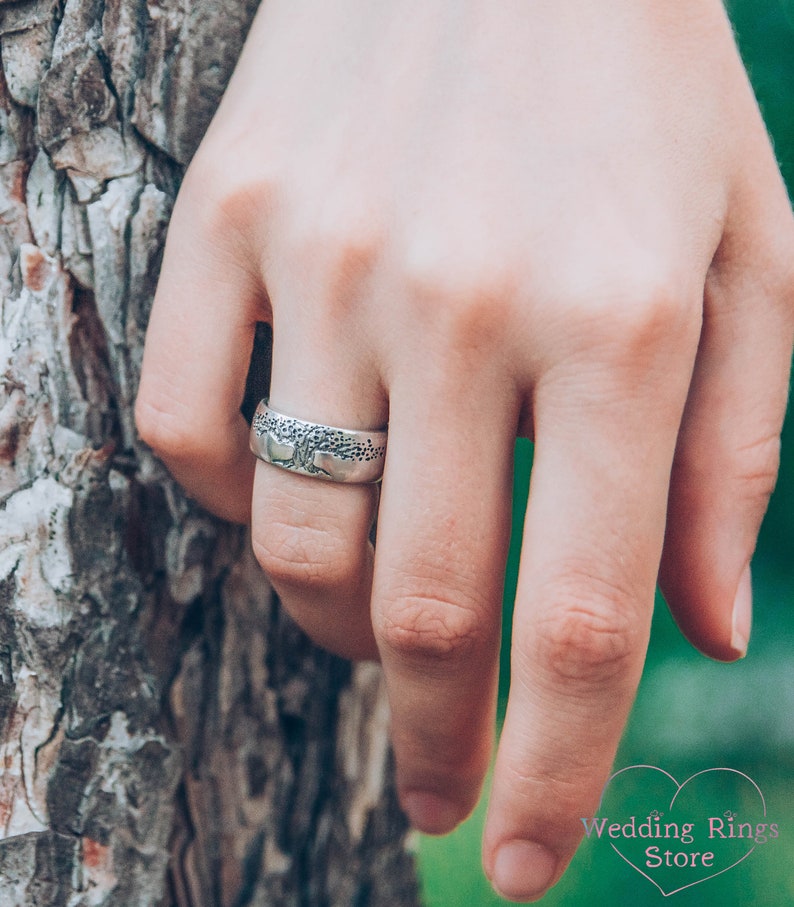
(765, 30)
(691, 713)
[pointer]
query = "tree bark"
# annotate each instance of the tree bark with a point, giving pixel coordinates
(167, 736)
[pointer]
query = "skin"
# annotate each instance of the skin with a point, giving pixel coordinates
(471, 221)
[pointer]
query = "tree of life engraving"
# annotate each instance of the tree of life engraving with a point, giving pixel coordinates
(294, 444)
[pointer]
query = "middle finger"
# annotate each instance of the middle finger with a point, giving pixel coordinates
(438, 583)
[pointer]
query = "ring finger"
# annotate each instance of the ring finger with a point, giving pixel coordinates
(312, 537)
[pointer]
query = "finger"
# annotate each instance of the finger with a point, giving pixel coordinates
(727, 458)
(442, 537)
(196, 359)
(312, 537)
(593, 536)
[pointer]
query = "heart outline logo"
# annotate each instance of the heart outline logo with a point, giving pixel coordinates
(679, 788)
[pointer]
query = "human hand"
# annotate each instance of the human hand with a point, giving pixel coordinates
(474, 220)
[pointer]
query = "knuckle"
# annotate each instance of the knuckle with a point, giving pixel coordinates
(337, 245)
(564, 781)
(461, 279)
(629, 317)
(773, 270)
(224, 193)
(648, 317)
(467, 288)
(425, 628)
(311, 558)
(586, 641)
(164, 432)
(352, 234)
(148, 421)
(648, 313)
(756, 467)
(479, 316)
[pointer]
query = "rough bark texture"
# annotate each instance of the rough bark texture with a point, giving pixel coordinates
(167, 737)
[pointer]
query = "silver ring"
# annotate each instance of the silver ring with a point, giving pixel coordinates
(320, 451)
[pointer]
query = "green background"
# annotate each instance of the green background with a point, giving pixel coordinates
(691, 713)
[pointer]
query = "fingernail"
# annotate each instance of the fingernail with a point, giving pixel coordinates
(742, 614)
(523, 870)
(430, 813)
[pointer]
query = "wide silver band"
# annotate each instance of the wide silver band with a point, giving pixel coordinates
(320, 451)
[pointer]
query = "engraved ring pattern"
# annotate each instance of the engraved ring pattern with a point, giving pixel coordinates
(320, 451)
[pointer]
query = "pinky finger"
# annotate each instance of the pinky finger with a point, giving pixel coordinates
(727, 457)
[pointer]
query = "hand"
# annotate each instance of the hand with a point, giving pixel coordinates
(473, 220)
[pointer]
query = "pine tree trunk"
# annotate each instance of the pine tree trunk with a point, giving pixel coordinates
(167, 736)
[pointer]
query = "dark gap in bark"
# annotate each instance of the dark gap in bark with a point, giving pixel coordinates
(90, 359)
(8, 645)
(251, 872)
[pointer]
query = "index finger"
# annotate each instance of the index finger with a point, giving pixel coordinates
(197, 356)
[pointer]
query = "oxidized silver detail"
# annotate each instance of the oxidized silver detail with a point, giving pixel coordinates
(312, 449)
